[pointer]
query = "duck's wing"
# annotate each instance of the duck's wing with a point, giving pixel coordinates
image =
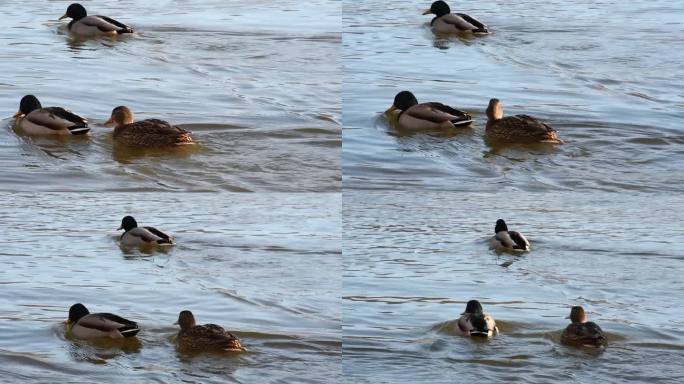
(434, 112)
(522, 129)
(159, 233)
(585, 334)
(144, 234)
(212, 336)
(464, 324)
(105, 322)
(458, 22)
(461, 117)
(519, 240)
(123, 28)
(504, 238)
(56, 118)
(479, 26)
(98, 22)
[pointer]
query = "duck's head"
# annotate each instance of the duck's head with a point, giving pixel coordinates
(473, 307)
(127, 223)
(500, 226)
(577, 315)
(494, 110)
(403, 101)
(186, 319)
(438, 8)
(76, 312)
(75, 11)
(27, 104)
(120, 116)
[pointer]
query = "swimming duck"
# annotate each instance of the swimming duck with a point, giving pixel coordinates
(82, 24)
(204, 337)
(510, 240)
(86, 325)
(134, 235)
(581, 332)
(521, 129)
(33, 119)
(406, 113)
(474, 322)
(145, 133)
(446, 22)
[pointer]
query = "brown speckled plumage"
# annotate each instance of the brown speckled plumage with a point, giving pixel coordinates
(521, 129)
(205, 337)
(581, 332)
(151, 133)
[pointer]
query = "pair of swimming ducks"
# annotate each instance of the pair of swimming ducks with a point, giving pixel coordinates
(474, 322)
(34, 119)
(407, 114)
(191, 337)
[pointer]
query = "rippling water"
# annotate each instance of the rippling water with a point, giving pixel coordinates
(606, 75)
(410, 266)
(257, 83)
(266, 266)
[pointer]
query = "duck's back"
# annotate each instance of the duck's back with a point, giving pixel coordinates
(520, 129)
(579, 334)
(208, 336)
(151, 133)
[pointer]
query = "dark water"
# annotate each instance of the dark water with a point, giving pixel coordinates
(266, 266)
(230, 72)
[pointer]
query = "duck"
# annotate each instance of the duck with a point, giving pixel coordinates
(474, 322)
(33, 119)
(148, 133)
(84, 25)
(581, 332)
(522, 129)
(136, 236)
(508, 240)
(86, 325)
(407, 113)
(207, 337)
(446, 22)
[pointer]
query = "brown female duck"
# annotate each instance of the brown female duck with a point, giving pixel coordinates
(582, 332)
(145, 133)
(522, 129)
(204, 337)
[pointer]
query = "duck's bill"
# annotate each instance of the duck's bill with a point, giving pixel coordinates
(63, 17)
(120, 228)
(18, 114)
(390, 110)
(107, 124)
(427, 12)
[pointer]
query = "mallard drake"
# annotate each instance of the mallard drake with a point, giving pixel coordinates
(204, 337)
(510, 240)
(446, 22)
(406, 113)
(581, 332)
(145, 133)
(521, 129)
(33, 119)
(82, 24)
(135, 236)
(86, 325)
(474, 322)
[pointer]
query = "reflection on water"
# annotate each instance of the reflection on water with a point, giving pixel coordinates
(611, 89)
(257, 85)
(265, 266)
(412, 261)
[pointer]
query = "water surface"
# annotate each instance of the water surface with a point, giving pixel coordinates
(606, 75)
(257, 83)
(410, 266)
(266, 266)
